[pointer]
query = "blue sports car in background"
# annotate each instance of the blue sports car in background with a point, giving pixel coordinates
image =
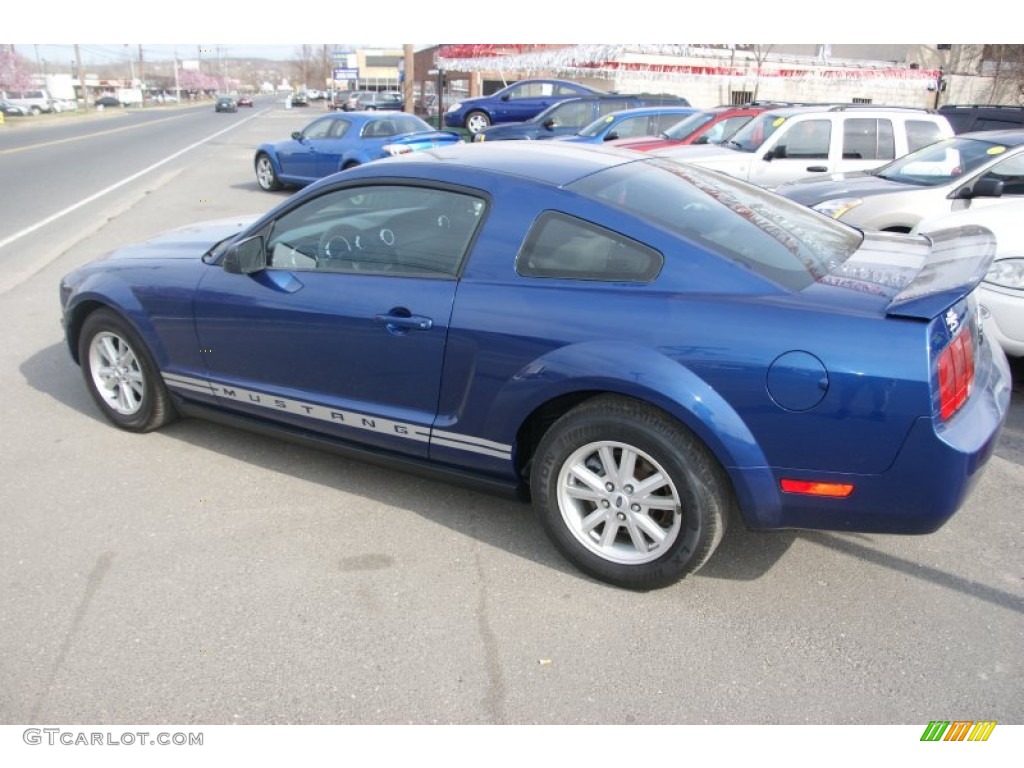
(338, 141)
(512, 104)
(645, 348)
(629, 123)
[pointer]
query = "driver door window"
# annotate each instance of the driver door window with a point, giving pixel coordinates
(386, 229)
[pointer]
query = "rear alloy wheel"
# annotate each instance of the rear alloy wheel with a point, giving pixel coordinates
(266, 176)
(629, 494)
(121, 375)
(477, 121)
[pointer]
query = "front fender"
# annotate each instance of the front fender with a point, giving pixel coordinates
(111, 291)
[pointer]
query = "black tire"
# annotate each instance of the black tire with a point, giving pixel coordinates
(476, 121)
(129, 389)
(266, 176)
(643, 540)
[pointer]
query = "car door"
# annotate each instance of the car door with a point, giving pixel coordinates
(798, 149)
(523, 101)
(328, 151)
(300, 156)
(343, 332)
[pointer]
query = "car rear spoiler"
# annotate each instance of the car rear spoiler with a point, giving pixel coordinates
(956, 265)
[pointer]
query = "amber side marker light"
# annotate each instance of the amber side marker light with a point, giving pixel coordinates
(809, 488)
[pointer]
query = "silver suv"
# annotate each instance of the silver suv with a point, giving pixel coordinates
(794, 143)
(35, 101)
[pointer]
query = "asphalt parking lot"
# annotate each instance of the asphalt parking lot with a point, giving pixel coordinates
(205, 575)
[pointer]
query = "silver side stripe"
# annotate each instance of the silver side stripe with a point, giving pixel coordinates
(469, 440)
(340, 417)
(498, 454)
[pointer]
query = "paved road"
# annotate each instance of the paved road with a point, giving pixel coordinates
(202, 575)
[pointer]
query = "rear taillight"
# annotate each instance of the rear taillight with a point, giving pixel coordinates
(956, 374)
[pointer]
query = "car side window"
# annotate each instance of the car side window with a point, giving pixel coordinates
(808, 140)
(321, 129)
(661, 123)
(868, 138)
(921, 133)
(632, 126)
(386, 229)
(562, 246)
(1011, 172)
(572, 113)
(607, 106)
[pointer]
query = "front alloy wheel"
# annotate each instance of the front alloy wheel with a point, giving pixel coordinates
(477, 121)
(120, 374)
(266, 176)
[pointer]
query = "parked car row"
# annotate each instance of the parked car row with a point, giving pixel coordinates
(567, 116)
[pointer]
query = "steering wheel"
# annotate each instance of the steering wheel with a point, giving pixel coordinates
(341, 244)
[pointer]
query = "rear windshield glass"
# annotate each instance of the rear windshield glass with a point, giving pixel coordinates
(779, 239)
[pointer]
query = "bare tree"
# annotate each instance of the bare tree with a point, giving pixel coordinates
(1005, 64)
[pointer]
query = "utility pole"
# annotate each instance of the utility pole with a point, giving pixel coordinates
(142, 78)
(177, 85)
(81, 78)
(408, 79)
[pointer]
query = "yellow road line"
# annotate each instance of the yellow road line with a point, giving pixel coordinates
(87, 136)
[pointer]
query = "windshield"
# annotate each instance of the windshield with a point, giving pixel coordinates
(684, 128)
(597, 127)
(755, 133)
(777, 238)
(942, 162)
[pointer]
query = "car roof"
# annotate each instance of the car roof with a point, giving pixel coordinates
(784, 111)
(555, 163)
(680, 108)
(1011, 137)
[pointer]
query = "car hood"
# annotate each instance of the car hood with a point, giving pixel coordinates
(708, 155)
(186, 242)
(857, 184)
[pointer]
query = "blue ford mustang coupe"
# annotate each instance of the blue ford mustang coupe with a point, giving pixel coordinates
(338, 141)
(645, 348)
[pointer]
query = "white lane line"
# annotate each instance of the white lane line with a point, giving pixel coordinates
(60, 214)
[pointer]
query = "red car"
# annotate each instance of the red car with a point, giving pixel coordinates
(244, 101)
(709, 126)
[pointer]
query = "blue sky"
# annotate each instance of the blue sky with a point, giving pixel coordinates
(59, 56)
(258, 32)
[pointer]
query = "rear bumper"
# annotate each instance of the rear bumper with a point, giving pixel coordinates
(933, 474)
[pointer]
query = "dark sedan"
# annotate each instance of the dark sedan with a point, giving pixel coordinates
(567, 117)
(646, 349)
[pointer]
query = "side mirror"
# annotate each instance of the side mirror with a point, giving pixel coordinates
(701, 140)
(246, 257)
(549, 123)
(611, 136)
(986, 186)
(297, 135)
(505, 97)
